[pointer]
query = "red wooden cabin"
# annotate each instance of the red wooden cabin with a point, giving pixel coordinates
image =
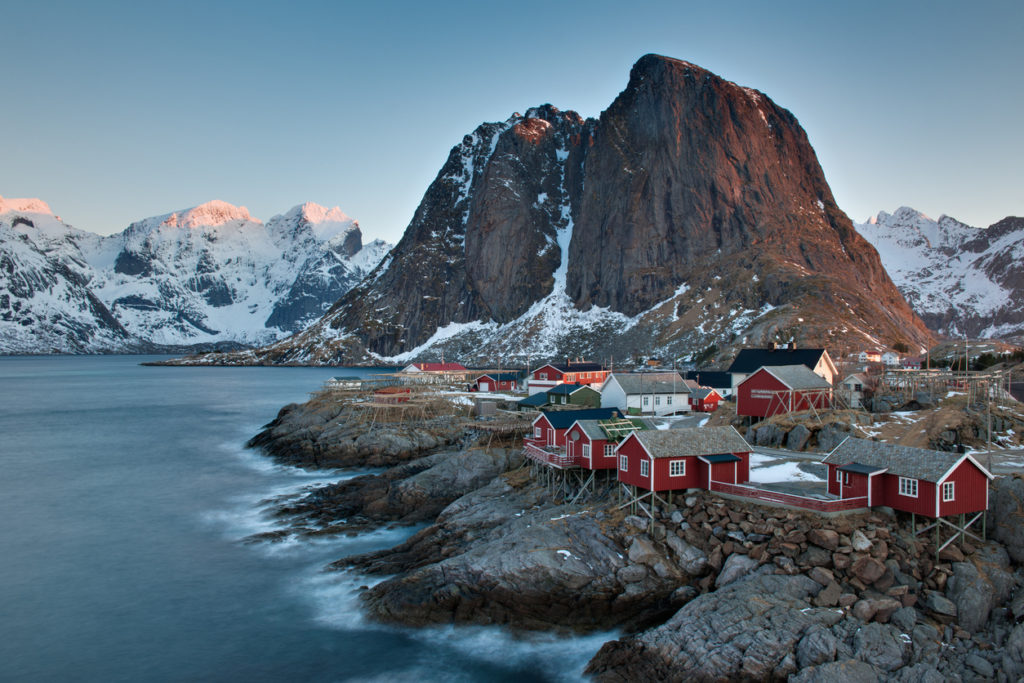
(704, 400)
(496, 381)
(782, 389)
(549, 428)
(917, 480)
(590, 445)
(570, 372)
(675, 459)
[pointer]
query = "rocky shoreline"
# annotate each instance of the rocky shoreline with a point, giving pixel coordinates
(714, 589)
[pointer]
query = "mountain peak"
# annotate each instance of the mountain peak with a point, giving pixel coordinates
(24, 204)
(315, 213)
(211, 213)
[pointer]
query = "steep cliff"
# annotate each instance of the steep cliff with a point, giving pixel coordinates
(693, 214)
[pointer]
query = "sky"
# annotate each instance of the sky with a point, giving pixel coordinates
(116, 111)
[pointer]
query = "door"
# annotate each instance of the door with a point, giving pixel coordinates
(485, 386)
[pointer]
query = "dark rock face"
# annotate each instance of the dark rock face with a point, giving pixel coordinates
(686, 179)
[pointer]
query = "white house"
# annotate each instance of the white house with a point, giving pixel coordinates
(852, 389)
(891, 359)
(647, 393)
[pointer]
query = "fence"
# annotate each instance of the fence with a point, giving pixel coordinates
(814, 504)
(546, 457)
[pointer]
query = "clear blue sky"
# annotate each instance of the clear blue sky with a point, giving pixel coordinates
(115, 111)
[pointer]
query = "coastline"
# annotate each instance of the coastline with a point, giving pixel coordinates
(846, 593)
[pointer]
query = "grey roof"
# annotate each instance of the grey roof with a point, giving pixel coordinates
(702, 393)
(651, 382)
(673, 443)
(917, 463)
(592, 428)
(798, 377)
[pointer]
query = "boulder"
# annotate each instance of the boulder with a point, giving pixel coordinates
(881, 646)
(831, 435)
(846, 671)
(867, 569)
(691, 560)
(860, 542)
(940, 607)
(976, 587)
(817, 646)
(824, 538)
(797, 438)
(736, 566)
(1006, 515)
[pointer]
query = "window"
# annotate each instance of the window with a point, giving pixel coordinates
(908, 487)
(947, 491)
(586, 451)
(623, 463)
(846, 478)
(537, 432)
(647, 400)
(657, 400)
(609, 450)
(668, 400)
(645, 468)
(677, 468)
(839, 476)
(563, 399)
(858, 387)
(542, 375)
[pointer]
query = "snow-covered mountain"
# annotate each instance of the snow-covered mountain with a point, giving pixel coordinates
(208, 275)
(959, 279)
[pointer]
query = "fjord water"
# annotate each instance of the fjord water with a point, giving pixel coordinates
(125, 498)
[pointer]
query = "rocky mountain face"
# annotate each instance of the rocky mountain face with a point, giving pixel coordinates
(210, 275)
(958, 279)
(691, 216)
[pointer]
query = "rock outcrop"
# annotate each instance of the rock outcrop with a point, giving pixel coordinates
(704, 218)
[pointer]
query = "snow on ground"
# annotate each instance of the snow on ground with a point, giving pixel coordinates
(767, 468)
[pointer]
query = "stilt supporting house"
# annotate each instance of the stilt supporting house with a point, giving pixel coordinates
(957, 528)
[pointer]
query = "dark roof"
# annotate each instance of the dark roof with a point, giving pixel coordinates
(500, 376)
(567, 388)
(674, 443)
(535, 400)
(750, 360)
(917, 463)
(861, 469)
(563, 419)
(716, 379)
(721, 457)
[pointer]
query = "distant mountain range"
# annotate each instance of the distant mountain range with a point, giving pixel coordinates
(959, 279)
(691, 218)
(209, 276)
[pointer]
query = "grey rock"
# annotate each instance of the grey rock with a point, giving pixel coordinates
(744, 630)
(824, 538)
(797, 438)
(846, 671)
(980, 665)
(631, 573)
(691, 559)
(677, 517)
(860, 542)
(828, 596)
(905, 618)
(817, 646)
(736, 566)
(881, 646)
(936, 603)
(975, 589)
(642, 550)
(831, 435)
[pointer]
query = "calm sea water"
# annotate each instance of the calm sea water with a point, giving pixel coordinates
(125, 496)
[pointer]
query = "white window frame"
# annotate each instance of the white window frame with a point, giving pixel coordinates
(668, 400)
(586, 451)
(609, 450)
(908, 487)
(542, 375)
(846, 478)
(948, 491)
(657, 400)
(645, 468)
(538, 432)
(623, 463)
(674, 471)
(647, 400)
(839, 476)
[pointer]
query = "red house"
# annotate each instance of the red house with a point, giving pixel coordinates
(496, 381)
(590, 445)
(782, 389)
(549, 428)
(916, 480)
(570, 372)
(704, 400)
(675, 459)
